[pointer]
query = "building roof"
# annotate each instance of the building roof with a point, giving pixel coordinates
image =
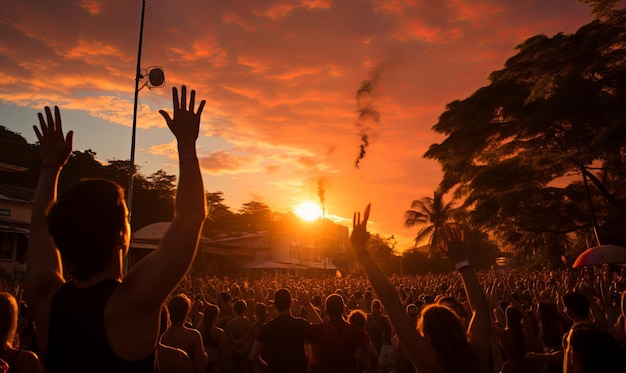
(16, 193)
(270, 264)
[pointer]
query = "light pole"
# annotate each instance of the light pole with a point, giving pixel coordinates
(156, 78)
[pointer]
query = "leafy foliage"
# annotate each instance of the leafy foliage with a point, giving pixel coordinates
(541, 149)
(431, 214)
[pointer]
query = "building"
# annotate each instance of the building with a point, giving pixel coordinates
(15, 210)
(291, 247)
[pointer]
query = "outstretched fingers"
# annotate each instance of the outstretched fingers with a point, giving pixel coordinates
(192, 100)
(176, 102)
(183, 98)
(201, 106)
(366, 214)
(356, 218)
(49, 125)
(57, 120)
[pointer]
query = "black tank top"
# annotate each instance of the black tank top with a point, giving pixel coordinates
(77, 340)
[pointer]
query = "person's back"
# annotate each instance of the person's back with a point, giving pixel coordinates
(213, 339)
(281, 340)
(180, 336)
(239, 334)
(171, 359)
(336, 341)
(89, 226)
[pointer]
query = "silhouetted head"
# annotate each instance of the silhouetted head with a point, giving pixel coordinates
(334, 306)
(591, 349)
(240, 307)
(282, 299)
(577, 304)
(413, 313)
(260, 311)
(89, 224)
(8, 319)
(179, 308)
(358, 318)
(211, 311)
(443, 328)
(223, 298)
(451, 303)
(376, 307)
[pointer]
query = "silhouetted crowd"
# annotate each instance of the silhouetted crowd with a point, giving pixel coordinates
(77, 310)
(217, 321)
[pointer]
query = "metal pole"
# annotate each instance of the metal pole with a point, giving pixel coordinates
(131, 171)
(131, 168)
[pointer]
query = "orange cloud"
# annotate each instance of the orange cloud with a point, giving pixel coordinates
(280, 79)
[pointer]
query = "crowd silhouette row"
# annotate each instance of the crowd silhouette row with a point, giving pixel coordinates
(77, 311)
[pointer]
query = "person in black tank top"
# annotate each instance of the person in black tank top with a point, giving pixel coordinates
(77, 329)
(104, 317)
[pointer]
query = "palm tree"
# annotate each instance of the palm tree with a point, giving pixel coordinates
(431, 213)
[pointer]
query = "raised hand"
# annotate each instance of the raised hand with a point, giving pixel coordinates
(360, 235)
(54, 147)
(185, 124)
(453, 242)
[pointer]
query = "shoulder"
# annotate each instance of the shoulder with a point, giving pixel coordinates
(173, 359)
(27, 361)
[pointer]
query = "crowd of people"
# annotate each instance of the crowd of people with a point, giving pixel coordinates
(79, 312)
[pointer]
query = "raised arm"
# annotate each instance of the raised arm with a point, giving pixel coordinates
(418, 349)
(45, 273)
(153, 278)
(479, 327)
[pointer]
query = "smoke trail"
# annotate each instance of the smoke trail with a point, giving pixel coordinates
(368, 116)
(321, 190)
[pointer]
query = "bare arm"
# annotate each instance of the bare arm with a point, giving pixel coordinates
(135, 306)
(152, 279)
(304, 299)
(45, 273)
(479, 327)
(418, 349)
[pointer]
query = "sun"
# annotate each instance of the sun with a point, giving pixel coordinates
(308, 211)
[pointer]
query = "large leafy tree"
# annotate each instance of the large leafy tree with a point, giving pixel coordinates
(255, 217)
(222, 219)
(541, 149)
(430, 214)
(153, 197)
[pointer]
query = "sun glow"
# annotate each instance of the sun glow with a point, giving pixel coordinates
(308, 211)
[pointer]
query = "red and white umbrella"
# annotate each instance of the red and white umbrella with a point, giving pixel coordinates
(603, 254)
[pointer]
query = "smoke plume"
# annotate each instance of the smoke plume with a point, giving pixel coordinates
(368, 117)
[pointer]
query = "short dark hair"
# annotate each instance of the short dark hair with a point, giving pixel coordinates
(179, 308)
(334, 305)
(88, 224)
(577, 303)
(282, 299)
(597, 349)
(240, 307)
(224, 296)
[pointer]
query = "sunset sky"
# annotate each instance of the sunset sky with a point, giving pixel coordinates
(280, 78)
